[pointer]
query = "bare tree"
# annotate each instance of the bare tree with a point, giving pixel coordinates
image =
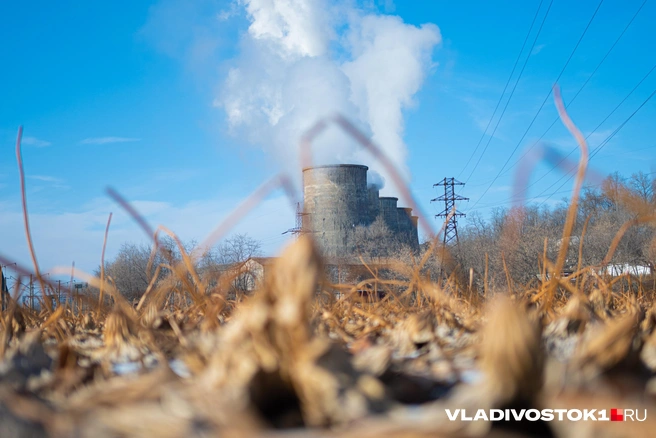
(375, 240)
(229, 258)
(238, 249)
(128, 270)
(643, 186)
(520, 238)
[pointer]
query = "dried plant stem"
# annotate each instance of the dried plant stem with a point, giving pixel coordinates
(102, 264)
(247, 205)
(544, 259)
(26, 219)
(11, 311)
(505, 269)
(471, 282)
(620, 233)
(186, 260)
(132, 212)
(580, 261)
(149, 288)
(578, 183)
(485, 286)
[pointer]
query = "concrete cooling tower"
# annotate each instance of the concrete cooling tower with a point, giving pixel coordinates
(337, 199)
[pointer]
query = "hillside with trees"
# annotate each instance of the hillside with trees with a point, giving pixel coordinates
(521, 237)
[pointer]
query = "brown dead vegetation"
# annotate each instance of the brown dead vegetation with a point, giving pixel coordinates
(187, 361)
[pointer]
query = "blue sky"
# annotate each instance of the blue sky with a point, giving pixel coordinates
(186, 107)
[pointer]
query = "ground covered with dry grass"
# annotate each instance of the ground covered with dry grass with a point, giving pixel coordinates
(292, 359)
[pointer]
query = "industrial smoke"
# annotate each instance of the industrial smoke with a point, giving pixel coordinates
(303, 60)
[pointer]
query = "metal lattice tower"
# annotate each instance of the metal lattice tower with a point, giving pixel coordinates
(449, 198)
(298, 229)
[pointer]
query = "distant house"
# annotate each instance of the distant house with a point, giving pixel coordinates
(253, 272)
(244, 276)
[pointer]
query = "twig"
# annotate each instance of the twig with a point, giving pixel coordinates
(26, 219)
(578, 183)
(247, 205)
(102, 263)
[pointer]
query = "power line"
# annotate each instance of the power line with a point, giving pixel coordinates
(602, 144)
(538, 197)
(512, 72)
(543, 102)
(607, 140)
(581, 88)
(512, 92)
(593, 131)
(525, 189)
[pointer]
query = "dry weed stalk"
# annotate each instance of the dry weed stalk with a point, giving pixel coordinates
(578, 183)
(512, 355)
(102, 263)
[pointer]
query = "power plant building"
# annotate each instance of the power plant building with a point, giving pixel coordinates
(337, 199)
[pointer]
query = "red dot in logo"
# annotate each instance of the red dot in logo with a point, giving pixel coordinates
(616, 415)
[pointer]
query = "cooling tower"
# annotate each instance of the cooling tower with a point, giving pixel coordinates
(374, 206)
(336, 200)
(389, 213)
(405, 224)
(415, 232)
(407, 231)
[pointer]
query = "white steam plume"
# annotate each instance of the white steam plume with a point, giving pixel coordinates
(302, 60)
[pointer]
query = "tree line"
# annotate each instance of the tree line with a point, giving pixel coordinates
(131, 269)
(510, 242)
(520, 237)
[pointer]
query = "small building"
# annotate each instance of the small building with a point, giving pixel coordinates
(254, 271)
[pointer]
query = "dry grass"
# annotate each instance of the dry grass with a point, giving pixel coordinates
(293, 359)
